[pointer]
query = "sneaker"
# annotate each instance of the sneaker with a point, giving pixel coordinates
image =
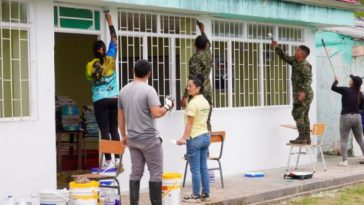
(108, 164)
(343, 163)
(205, 197)
(192, 199)
(117, 162)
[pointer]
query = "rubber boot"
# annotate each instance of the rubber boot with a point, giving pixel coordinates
(299, 140)
(134, 186)
(302, 139)
(155, 193)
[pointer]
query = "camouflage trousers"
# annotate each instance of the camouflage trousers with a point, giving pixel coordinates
(300, 115)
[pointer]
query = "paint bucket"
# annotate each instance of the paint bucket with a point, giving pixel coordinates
(171, 188)
(211, 176)
(84, 193)
(107, 172)
(54, 197)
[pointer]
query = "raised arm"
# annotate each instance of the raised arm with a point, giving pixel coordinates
(282, 55)
(336, 88)
(114, 39)
(201, 26)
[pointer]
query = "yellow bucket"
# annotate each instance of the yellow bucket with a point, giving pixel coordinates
(84, 193)
(171, 188)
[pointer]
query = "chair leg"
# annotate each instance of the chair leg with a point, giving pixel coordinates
(298, 158)
(323, 158)
(289, 159)
(185, 175)
(310, 153)
(221, 176)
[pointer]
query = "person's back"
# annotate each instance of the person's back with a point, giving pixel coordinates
(136, 99)
(139, 105)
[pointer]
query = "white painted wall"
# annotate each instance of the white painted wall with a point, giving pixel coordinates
(254, 140)
(27, 148)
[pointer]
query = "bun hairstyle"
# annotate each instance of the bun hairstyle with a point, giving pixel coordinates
(199, 82)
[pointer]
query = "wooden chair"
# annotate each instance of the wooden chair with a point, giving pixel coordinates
(216, 137)
(318, 131)
(109, 147)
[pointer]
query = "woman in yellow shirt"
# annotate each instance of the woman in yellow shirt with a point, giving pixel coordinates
(197, 139)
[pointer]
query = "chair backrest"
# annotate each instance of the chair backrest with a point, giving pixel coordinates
(111, 147)
(218, 137)
(318, 129)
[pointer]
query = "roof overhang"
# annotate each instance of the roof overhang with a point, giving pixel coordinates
(331, 4)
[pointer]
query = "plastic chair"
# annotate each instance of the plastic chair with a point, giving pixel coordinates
(318, 131)
(216, 137)
(109, 147)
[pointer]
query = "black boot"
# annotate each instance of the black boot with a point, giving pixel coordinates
(155, 193)
(134, 186)
(301, 139)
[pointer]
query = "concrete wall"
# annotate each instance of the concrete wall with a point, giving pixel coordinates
(273, 10)
(27, 148)
(254, 138)
(328, 102)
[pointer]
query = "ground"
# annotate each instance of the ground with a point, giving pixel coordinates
(352, 195)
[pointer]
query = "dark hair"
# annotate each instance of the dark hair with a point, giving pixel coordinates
(198, 81)
(305, 49)
(96, 48)
(201, 42)
(142, 68)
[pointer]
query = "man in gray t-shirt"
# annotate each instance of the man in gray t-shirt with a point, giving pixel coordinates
(139, 106)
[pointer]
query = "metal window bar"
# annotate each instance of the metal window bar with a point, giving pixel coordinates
(184, 51)
(12, 27)
(291, 34)
(219, 74)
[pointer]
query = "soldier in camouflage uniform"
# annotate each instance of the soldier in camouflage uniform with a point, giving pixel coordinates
(201, 64)
(302, 92)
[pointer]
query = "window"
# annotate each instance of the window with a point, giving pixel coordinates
(14, 59)
(76, 18)
(168, 47)
(247, 72)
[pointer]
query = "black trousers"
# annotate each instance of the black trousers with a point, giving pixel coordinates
(106, 112)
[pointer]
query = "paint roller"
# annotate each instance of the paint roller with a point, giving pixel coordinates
(328, 56)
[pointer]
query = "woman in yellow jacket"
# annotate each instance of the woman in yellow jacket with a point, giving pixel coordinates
(101, 72)
(197, 139)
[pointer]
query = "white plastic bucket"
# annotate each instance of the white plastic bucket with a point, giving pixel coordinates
(171, 188)
(107, 172)
(55, 197)
(84, 194)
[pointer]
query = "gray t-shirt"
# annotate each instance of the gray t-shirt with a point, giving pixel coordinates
(136, 99)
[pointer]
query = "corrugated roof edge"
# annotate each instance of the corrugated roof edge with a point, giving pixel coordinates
(330, 4)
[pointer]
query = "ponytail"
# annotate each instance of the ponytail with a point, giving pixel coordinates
(199, 82)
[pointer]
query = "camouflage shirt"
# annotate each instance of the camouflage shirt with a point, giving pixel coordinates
(301, 73)
(201, 64)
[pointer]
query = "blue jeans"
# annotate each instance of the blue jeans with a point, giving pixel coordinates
(197, 150)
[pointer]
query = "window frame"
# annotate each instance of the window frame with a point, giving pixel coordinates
(30, 28)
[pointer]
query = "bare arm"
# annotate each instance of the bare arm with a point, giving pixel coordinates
(158, 111)
(187, 132)
(111, 28)
(121, 123)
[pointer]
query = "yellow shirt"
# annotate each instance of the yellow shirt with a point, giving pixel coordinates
(198, 108)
